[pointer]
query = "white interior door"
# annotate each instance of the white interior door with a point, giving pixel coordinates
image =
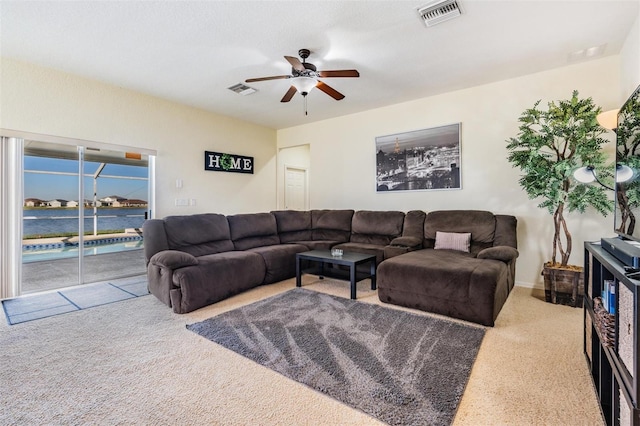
(295, 188)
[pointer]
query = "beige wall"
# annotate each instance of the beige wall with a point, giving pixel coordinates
(343, 155)
(40, 100)
(630, 62)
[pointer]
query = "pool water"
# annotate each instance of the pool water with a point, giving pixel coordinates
(66, 252)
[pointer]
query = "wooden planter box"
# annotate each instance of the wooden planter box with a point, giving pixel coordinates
(563, 286)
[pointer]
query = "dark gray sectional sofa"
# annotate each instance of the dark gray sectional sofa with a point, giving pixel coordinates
(196, 260)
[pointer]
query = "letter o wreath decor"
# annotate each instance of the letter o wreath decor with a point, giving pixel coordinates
(226, 162)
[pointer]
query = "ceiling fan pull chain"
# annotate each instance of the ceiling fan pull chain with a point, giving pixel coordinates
(305, 106)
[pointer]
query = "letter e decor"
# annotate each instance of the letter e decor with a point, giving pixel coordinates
(220, 162)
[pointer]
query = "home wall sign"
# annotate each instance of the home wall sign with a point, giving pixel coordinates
(424, 159)
(221, 162)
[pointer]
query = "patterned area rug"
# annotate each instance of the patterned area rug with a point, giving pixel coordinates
(398, 367)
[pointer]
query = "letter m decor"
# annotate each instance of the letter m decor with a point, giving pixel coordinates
(220, 162)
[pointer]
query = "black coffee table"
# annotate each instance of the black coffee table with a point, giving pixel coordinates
(352, 260)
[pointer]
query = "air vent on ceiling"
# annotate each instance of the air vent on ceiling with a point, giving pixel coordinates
(438, 11)
(242, 89)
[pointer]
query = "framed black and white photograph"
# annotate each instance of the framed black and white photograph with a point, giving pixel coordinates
(426, 159)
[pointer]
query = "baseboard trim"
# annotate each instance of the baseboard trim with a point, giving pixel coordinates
(536, 286)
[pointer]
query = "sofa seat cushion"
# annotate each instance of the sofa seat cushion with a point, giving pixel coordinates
(374, 249)
(446, 282)
(279, 260)
(215, 277)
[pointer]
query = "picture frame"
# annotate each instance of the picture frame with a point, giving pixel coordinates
(419, 160)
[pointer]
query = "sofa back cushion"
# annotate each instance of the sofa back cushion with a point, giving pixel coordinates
(481, 225)
(413, 225)
(198, 234)
(253, 230)
(332, 225)
(506, 231)
(293, 225)
(155, 238)
(376, 227)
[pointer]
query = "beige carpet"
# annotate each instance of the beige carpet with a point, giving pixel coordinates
(134, 362)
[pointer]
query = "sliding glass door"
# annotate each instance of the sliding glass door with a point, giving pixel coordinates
(116, 194)
(50, 225)
(82, 216)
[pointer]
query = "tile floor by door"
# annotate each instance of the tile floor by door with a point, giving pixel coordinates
(42, 305)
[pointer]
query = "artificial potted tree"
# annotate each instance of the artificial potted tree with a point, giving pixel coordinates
(628, 155)
(550, 146)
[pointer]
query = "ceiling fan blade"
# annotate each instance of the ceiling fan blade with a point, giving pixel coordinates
(287, 96)
(330, 91)
(295, 63)
(339, 73)
(275, 77)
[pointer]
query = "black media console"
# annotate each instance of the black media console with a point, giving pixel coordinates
(611, 343)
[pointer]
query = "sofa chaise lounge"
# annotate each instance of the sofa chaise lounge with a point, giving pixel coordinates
(196, 260)
(471, 282)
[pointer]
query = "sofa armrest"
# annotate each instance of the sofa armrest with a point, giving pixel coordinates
(402, 245)
(410, 242)
(503, 253)
(173, 259)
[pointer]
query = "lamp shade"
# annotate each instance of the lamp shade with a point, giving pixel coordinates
(623, 173)
(585, 174)
(304, 84)
(608, 119)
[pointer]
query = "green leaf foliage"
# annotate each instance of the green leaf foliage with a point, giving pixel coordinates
(551, 144)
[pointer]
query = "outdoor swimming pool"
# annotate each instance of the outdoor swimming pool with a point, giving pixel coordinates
(54, 252)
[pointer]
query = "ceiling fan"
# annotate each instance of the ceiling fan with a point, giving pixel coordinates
(304, 77)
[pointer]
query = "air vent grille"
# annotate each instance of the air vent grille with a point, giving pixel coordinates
(242, 89)
(439, 11)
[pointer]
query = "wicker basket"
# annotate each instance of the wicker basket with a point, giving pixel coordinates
(605, 323)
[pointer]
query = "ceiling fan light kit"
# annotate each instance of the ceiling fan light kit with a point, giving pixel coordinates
(304, 85)
(305, 76)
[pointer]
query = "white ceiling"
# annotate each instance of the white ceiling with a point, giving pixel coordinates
(192, 51)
